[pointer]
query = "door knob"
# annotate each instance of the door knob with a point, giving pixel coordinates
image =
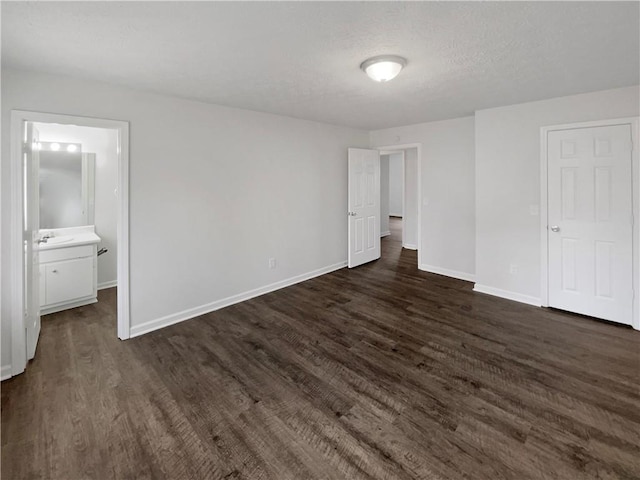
(352, 214)
(555, 228)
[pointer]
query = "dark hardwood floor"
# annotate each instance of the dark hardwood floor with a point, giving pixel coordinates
(381, 372)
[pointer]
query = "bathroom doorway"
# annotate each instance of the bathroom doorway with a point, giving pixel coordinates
(69, 221)
(80, 187)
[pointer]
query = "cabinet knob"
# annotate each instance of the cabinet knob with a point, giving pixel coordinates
(54, 271)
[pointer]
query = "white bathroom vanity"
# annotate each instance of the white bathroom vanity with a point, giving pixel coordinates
(68, 268)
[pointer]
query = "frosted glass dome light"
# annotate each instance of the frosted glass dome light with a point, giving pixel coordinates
(384, 67)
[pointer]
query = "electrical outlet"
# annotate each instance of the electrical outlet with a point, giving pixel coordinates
(513, 268)
(272, 263)
(534, 210)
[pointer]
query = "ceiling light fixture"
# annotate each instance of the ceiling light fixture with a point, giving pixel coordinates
(54, 146)
(72, 148)
(383, 67)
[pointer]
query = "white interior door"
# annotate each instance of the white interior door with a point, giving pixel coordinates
(590, 221)
(31, 164)
(364, 206)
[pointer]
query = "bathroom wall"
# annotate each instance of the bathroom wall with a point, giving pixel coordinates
(102, 142)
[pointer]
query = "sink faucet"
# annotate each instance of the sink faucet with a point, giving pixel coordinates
(45, 238)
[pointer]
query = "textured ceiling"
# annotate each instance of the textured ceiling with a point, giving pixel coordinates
(302, 59)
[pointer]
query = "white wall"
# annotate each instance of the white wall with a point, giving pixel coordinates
(508, 183)
(104, 143)
(396, 180)
(384, 195)
(214, 192)
(448, 192)
(411, 199)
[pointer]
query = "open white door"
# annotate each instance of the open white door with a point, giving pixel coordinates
(364, 206)
(590, 221)
(31, 165)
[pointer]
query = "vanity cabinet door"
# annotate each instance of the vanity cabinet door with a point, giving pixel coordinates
(68, 280)
(43, 285)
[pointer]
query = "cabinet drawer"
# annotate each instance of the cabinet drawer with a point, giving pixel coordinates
(66, 253)
(68, 280)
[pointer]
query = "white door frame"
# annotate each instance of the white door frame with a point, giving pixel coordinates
(16, 267)
(403, 147)
(634, 122)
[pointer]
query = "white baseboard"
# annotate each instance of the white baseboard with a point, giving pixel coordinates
(150, 326)
(385, 234)
(409, 246)
(516, 297)
(5, 372)
(109, 284)
(59, 307)
(469, 277)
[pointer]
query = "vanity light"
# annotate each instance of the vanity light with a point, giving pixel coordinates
(72, 148)
(54, 146)
(383, 67)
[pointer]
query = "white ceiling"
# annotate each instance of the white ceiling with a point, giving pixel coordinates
(302, 59)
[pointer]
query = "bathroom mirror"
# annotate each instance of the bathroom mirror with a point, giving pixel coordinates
(67, 183)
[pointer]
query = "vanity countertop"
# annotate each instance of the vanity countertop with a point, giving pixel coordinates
(69, 237)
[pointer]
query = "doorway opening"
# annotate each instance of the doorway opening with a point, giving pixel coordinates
(399, 194)
(391, 194)
(69, 221)
(365, 211)
(78, 188)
